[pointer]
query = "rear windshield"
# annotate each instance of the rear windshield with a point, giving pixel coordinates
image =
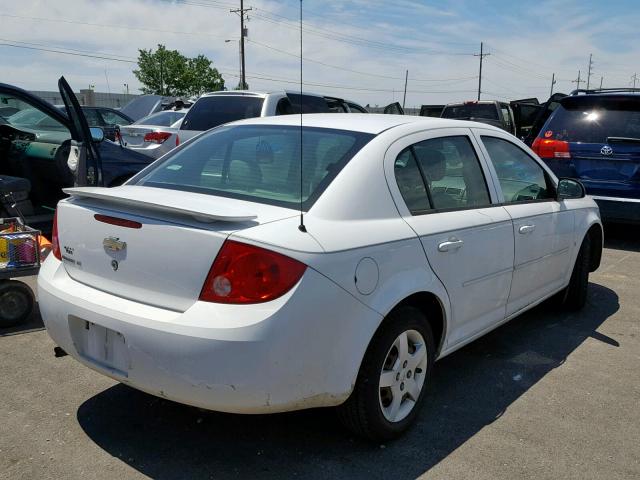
(475, 110)
(161, 119)
(594, 121)
(260, 163)
(209, 112)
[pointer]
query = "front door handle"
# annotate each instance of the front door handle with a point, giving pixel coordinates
(525, 229)
(452, 244)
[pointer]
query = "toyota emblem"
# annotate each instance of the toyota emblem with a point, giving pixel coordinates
(606, 150)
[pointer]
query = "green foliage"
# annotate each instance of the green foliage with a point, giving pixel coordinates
(168, 72)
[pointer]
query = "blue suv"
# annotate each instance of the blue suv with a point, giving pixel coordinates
(594, 136)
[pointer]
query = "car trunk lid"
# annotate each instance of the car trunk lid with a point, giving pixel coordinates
(133, 136)
(150, 245)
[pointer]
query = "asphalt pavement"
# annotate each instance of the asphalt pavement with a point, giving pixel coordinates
(550, 395)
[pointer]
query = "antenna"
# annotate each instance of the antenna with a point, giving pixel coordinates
(301, 227)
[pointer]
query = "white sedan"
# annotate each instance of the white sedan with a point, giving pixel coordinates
(238, 274)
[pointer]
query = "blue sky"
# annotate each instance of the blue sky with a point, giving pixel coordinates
(356, 49)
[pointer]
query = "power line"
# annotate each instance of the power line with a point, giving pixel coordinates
(102, 57)
(338, 67)
(264, 45)
(224, 71)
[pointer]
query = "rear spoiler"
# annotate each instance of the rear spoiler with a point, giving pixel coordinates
(203, 208)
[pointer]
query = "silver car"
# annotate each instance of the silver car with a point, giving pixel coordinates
(154, 135)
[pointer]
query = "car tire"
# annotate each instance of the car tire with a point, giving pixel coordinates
(574, 296)
(16, 303)
(369, 411)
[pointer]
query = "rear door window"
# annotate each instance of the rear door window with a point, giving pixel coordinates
(310, 103)
(113, 118)
(521, 177)
(449, 174)
(93, 119)
(209, 112)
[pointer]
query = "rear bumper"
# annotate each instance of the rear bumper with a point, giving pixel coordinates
(296, 352)
(616, 209)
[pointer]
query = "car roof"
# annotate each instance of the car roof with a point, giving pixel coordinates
(360, 122)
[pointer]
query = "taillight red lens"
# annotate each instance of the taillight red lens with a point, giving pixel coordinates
(177, 140)
(243, 273)
(156, 137)
(121, 222)
(548, 148)
(55, 242)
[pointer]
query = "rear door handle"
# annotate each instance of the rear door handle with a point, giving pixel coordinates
(525, 229)
(452, 244)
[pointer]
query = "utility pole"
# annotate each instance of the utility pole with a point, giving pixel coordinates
(589, 71)
(406, 79)
(481, 55)
(243, 33)
(601, 78)
(634, 78)
(126, 85)
(578, 81)
(553, 82)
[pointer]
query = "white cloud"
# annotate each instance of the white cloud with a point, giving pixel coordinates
(526, 44)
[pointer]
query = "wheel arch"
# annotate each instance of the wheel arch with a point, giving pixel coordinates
(433, 308)
(596, 236)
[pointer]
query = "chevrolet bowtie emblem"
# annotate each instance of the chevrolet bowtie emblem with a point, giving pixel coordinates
(114, 244)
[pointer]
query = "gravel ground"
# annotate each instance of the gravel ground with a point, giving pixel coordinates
(548, 395)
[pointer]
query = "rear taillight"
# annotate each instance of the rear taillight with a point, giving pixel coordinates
(243, 273)
(177, 140)
(156, 137)
(54, 238)
(547, 148)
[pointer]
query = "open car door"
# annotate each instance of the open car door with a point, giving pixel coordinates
(525, 111)
(393, 109)
(541, 117)
(84, 159)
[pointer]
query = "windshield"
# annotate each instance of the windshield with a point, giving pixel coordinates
(161, 119)
(209, 112)
(260, 163)
(34, 119)
(594, 122)
(473, 110)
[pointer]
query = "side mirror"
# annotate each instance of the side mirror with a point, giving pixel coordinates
(97, 134)
(570, 188)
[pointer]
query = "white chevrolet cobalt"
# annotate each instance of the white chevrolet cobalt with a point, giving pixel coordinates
(200, 281)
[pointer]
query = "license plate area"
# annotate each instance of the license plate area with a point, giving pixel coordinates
(101, 346)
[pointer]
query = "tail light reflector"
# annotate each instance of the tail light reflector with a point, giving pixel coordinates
(548, 148)
(55, 242)
(177, 140)
(243, 274)
(157, 137)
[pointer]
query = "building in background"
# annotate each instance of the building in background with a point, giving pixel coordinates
(89, 98)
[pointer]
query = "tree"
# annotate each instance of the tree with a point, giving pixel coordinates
(202, 77)
(168, 72)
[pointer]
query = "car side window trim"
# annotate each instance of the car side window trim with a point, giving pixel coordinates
(551, 186)
(550, 176)
(482, 169)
